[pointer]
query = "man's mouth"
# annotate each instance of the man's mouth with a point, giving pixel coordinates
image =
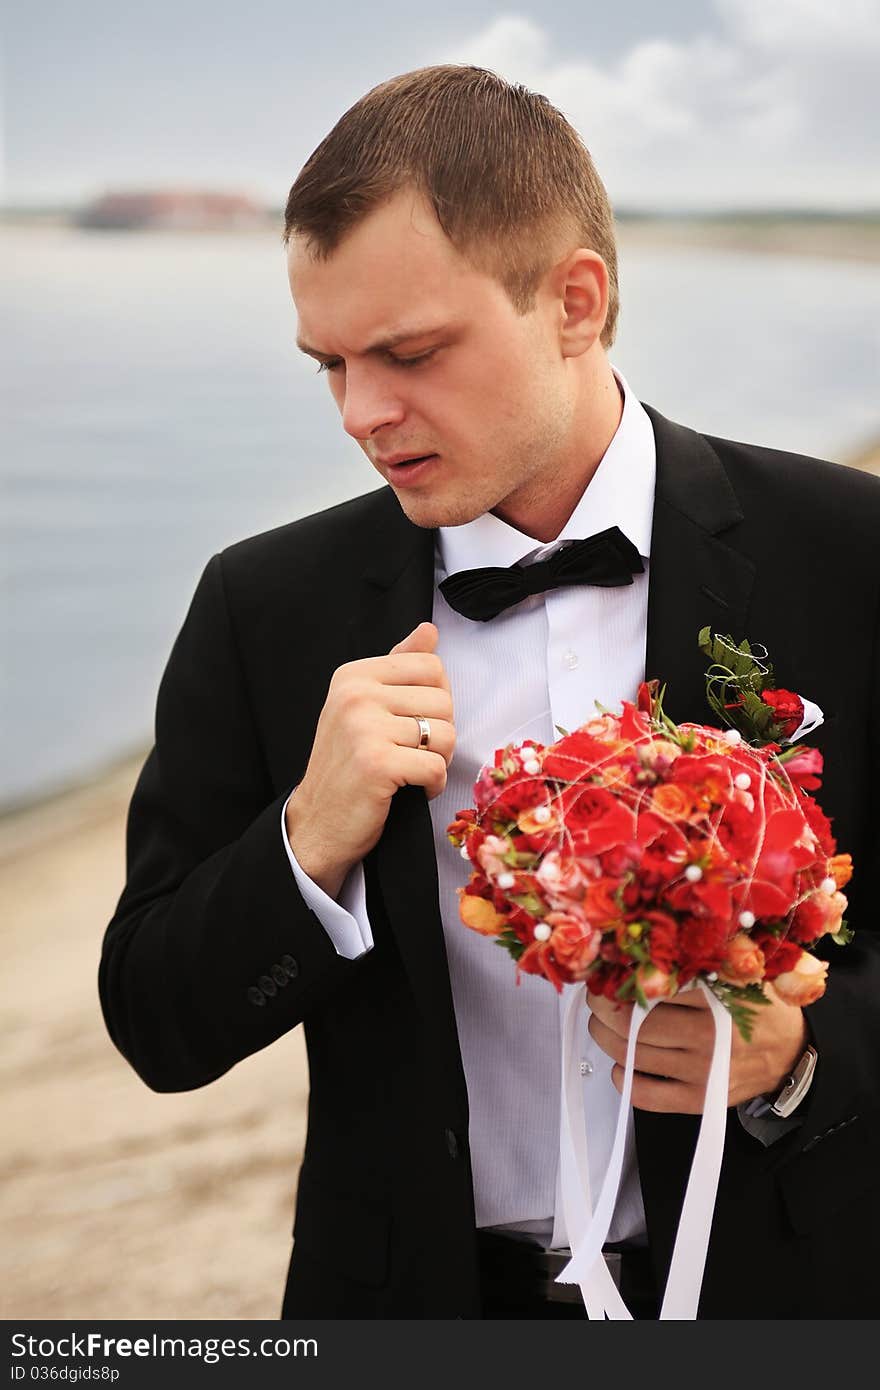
(402, 460)
(408, 468)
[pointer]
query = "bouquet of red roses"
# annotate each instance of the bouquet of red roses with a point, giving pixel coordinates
(639, 855)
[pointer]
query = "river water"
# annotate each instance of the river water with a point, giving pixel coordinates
(156, 409)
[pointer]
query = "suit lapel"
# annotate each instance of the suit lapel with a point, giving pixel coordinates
(696, 579)
(396, 594)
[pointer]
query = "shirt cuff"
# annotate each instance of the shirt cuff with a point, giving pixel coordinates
(344, 920)
(766, 1128)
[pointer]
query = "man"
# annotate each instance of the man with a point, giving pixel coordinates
(453, 269)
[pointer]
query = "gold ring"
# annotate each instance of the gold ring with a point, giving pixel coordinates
(424, 730)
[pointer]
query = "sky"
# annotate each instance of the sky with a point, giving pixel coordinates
(688, 104)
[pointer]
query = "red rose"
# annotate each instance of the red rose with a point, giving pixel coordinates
(647, 696)
(787, 707)
(780, 954)
(538, 959)
(574, 756)
(819, 824)
(607, 979)
(702, 946)
(662, 939)
(634, 723)
(805, 768)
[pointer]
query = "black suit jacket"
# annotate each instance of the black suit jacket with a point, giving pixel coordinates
(213, 954)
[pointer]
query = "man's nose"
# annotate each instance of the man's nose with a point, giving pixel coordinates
(369, 402)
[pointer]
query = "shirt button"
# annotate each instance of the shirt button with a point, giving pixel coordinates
(586, 1067)
(571, 659)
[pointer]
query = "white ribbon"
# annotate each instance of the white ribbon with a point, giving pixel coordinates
(813, 717)
(588, 1230)
(598, 1289)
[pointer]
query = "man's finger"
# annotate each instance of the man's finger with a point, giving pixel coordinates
(690, 998)
(423, 638)
(672, 1063)
(662, 1097)
(615, 1016)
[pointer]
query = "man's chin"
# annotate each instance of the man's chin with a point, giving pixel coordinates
(430, 513)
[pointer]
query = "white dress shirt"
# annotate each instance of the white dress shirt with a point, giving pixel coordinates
(543, 663)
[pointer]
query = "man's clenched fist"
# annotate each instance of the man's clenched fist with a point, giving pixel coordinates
(365, 749)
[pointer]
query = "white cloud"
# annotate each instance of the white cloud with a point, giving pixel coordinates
(778, 106)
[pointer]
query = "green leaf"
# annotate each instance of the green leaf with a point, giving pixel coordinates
(511, 942)
(844, 935)
(740, 1002)
(529, 901)
(520, 859)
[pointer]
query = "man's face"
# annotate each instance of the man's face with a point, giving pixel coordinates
(427, 357)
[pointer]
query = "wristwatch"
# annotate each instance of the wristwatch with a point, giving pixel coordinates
(793, 1088)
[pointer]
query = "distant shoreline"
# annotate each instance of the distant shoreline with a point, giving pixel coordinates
(844, 239)
(848, 237)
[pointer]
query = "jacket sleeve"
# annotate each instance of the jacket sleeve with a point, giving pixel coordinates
(212, 952)
(845, 1023)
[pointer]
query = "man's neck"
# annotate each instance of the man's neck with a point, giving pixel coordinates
(543, 514)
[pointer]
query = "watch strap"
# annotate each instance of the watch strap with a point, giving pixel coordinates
(795, 1086)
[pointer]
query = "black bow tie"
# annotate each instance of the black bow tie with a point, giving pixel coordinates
(607, 559)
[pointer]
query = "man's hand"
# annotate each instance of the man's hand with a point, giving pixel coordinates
(366, 747)
(675, 1048)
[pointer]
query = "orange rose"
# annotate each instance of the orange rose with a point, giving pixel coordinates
(744, 962)
(805, 983)
(479, 915)
(838, 904)
(672, 802)
(654, 983)
(599, 904)
(840, 868)
(657, 751)
(574, 943)
(528, 822)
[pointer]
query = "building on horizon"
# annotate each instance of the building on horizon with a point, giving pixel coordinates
(173, 210)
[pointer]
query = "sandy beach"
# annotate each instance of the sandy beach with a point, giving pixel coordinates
(119, 1203)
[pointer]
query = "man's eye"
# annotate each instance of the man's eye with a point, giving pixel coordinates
(413, 361)
(333, 363)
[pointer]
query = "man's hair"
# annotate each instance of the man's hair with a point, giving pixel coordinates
(510, 180)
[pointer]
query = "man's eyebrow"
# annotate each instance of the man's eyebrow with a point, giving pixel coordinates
(385, 344)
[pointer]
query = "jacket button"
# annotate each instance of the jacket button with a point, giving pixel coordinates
(255, 995)
(291, 966)
(267, 985)
(280, 975)
(452, 1146)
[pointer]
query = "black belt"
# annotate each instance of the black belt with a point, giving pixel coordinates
(519, 1273)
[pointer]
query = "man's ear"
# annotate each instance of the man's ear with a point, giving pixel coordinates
(581, 287)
